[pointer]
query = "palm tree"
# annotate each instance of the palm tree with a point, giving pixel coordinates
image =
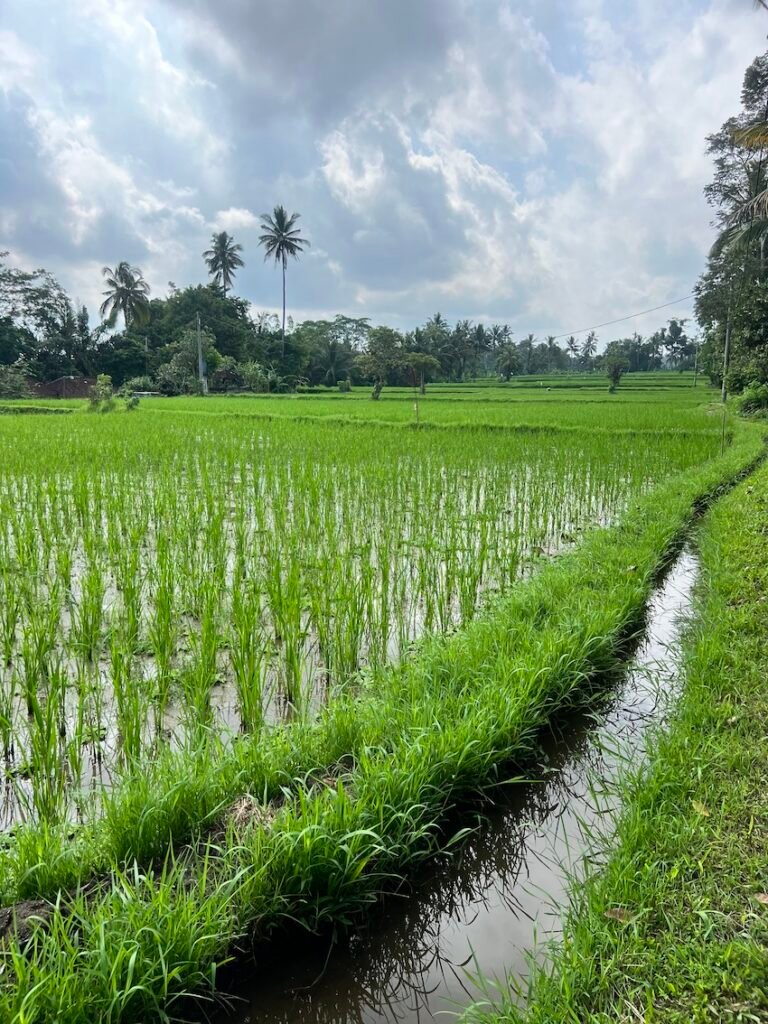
(334, 360)
(589, 347)
(507, 360)
(552, 349)
(526, 352)
(128, 293)
(573, 348)
(223, 259)
(281, 239)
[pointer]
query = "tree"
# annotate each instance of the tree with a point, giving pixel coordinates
(127, 293)
(223, 259)
(553, 351)
(589, 346)
(13, 381)
(226, 317)
(729, 292)
(281, 239)
(615, 367)
(383, 356)
(333, 360)
(525, 348)
(419, 366)
(507, 360)
(573, 348)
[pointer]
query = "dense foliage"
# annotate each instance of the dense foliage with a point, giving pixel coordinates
(732, 293)
(153, 343)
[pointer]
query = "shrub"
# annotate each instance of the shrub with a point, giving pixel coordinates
(254, 376)
(13, 382)
(615, 368)
(174, 378)
(101, 398)
(143, 383)
(754, 400)
(129, 397)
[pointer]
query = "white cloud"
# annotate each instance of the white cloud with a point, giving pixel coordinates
(501, 159)
(234, 218)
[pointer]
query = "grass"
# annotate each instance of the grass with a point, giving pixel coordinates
(426, 734)
(251, 661)
(675, 928)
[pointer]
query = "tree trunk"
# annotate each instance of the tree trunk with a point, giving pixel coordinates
(283, 346)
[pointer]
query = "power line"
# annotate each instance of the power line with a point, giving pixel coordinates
(621, 319)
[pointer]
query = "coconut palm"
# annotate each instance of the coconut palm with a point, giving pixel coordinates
(552, 350)
(223, 259)
(572, 347)
(281, 239)
(128, 293)
(589, 347)
(748, 222)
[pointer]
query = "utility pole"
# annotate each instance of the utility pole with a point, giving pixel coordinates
(726, 353)
(200, 361)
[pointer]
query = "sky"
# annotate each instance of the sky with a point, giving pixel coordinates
(534, 162)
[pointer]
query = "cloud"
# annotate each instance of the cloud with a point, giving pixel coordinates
(536, 163)
(234, 218)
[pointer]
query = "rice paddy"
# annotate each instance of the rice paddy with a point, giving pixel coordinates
(251, 648)
(163, 574)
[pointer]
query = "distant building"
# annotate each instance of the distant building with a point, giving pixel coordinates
(62, 387)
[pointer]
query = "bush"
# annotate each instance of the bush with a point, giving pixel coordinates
(754, 400)
(615, 368)
(101, 398)
(228, 376)
(254, 376)
(143, 383)
(175, 379)
(13, 382)
(129, 397)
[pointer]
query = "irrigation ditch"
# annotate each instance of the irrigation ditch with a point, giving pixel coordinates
(481, 913)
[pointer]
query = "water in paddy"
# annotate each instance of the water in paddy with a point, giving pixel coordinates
(482, 911)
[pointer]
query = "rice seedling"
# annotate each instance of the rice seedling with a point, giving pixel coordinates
(233, 565)
(208, 606)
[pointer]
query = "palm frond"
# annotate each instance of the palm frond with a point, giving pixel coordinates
(754, 136)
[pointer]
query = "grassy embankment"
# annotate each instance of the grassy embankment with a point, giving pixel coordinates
(437, 728)
(676, 928)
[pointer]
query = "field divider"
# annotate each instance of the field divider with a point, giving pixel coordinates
(427, 425)
(461, 716)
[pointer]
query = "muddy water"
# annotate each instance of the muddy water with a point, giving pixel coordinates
(482, 912)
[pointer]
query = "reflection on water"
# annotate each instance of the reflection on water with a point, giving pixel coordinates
(485, 908)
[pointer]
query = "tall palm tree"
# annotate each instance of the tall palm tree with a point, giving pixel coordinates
(589, 347)
(281, 239)
(552, 349)
(223, 259)
(128, 293)
(573, 348)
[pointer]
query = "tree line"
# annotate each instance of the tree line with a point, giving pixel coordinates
(154, 344)
(732, 293)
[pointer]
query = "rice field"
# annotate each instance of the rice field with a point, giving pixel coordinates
(196, 569)
(251, 660)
